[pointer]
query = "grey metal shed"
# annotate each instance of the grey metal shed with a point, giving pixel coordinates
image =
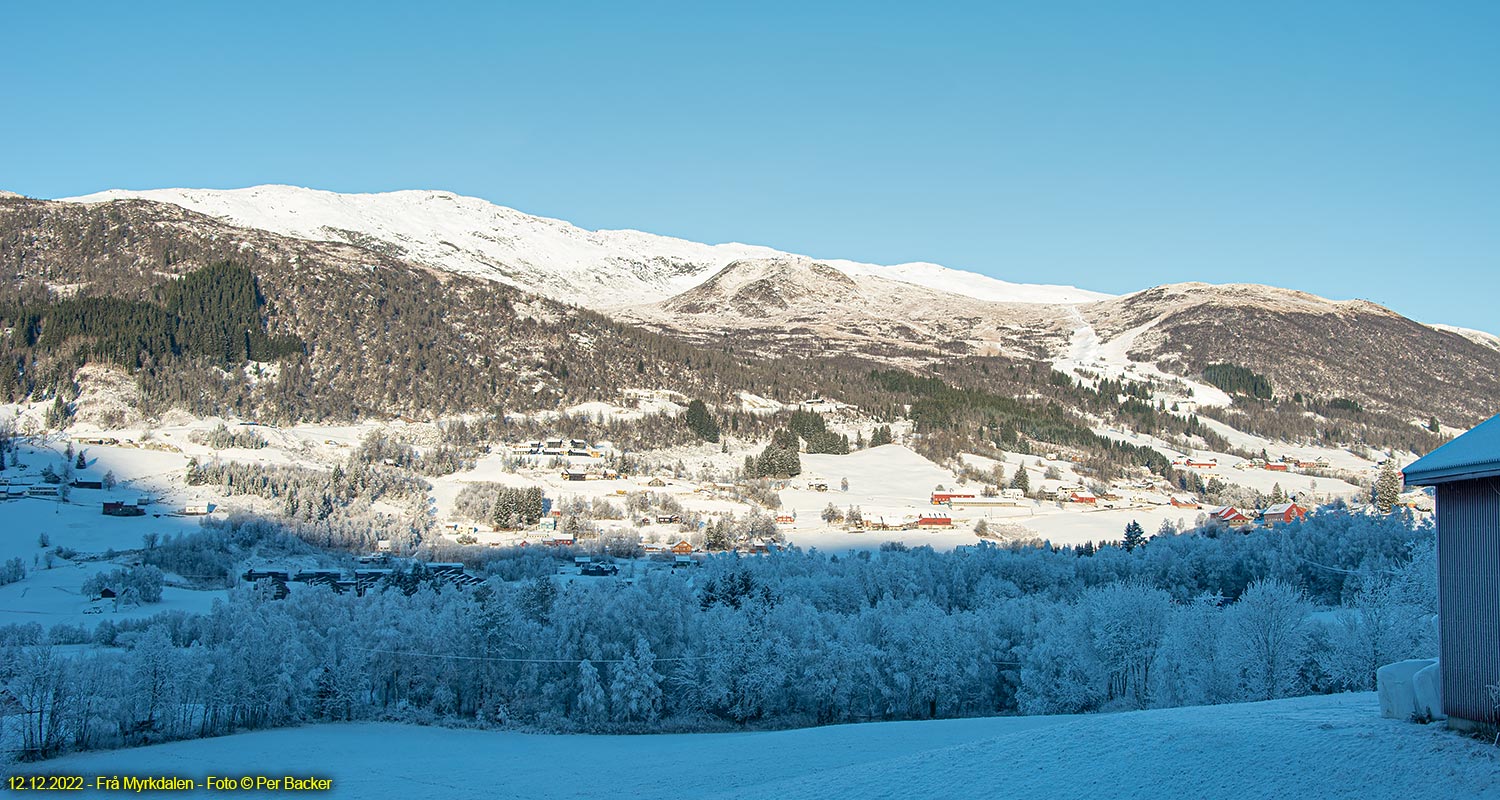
(1466, 472)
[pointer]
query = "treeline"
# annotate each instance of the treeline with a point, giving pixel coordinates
(1238, 380)
(213, 312)
(789, 639)
(505, 507)
(222, 438)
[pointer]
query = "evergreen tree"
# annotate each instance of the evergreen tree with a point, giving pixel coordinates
(1135, 536)
(58, 414)
(882, 435)
(592, 708)
(1388, 486)
(716, 536)
(1021, 480)
(700, 422)
(635, 692)
(1278, 494)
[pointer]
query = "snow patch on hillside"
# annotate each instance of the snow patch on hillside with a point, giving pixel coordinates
(1089, 358)
(1489, 340)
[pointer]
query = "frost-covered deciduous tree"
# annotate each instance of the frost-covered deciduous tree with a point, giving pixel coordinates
(1192, 665)
(1384, 626)
(1267, 635)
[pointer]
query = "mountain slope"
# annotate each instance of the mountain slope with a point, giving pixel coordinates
(383, 336)
(792, 304)
(1305, 344)
(594, 269)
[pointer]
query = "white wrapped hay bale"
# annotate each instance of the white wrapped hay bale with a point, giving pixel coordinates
(1396, 686)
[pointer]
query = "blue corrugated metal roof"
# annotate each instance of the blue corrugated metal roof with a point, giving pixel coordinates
(1475, 454)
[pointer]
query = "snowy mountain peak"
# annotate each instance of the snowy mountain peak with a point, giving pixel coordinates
(759, 287)
(596, 269)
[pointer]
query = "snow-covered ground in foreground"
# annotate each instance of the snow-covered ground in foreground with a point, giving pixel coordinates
(599, 269)
(1334, 746)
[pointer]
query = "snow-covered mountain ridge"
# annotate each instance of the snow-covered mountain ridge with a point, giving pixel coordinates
(596, 269)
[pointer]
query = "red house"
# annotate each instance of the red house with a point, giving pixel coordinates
(1086, 498)
(1282, 513)
(939, 498)
(1277, 466)
(1229, 515)
(682, 548)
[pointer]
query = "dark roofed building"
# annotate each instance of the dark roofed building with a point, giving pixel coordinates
(1466, 472)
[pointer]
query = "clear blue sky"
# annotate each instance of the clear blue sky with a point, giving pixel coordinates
(1350, 149)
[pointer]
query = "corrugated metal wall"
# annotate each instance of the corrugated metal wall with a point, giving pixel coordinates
(1469, 594)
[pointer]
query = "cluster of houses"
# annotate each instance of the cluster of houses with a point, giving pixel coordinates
(1270, 516)
(557, 447)
(595, 473)
(1285, 463)
(926, 520)
(1276, 514)
(359, 581)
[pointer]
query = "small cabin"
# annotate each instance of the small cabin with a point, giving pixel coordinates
(682, 548)
(1466, 472)
(114, 508)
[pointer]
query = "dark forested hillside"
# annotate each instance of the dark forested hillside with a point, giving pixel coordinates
(176, 297)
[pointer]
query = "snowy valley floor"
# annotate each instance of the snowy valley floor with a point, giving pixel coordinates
(1314, 747)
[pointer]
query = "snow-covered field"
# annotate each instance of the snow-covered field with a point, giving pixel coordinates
(1333, 746)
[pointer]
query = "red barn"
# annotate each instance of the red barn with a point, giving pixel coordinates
(939, 498)
(934, 521)
(1276, 466)
(1082, 497)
